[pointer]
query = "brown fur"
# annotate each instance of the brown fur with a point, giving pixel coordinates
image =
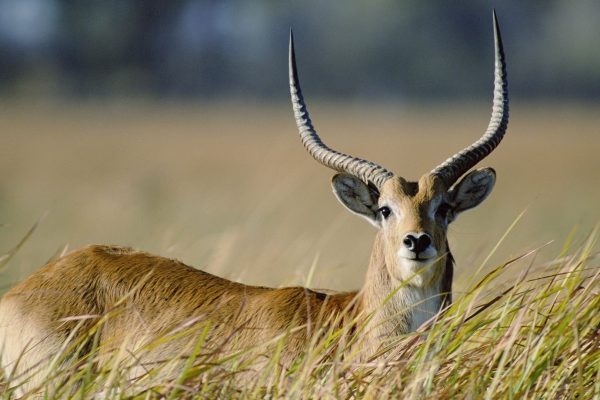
(150, 296)
(395, 316)
(93, 279)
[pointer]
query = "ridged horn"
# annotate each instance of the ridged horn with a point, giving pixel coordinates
(365, 170)
(454, 167)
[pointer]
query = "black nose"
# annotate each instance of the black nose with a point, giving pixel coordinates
(417, 242)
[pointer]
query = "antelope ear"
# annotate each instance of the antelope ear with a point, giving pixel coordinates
(357, 196)
(472, 189)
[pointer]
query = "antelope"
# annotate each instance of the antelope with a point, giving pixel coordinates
(408, 278)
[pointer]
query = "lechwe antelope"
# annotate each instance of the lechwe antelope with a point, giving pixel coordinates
(410, 261)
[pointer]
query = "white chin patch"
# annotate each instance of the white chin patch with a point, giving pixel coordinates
(416, 272)
(429, 254)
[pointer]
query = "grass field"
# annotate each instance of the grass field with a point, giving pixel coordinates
(230, 190)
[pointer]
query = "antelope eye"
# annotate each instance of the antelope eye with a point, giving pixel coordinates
(385, 212)
(443, 209)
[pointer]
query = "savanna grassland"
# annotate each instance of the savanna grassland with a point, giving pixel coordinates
(229, 189)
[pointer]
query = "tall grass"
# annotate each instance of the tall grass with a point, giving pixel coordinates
(535, 337)
(229, 188)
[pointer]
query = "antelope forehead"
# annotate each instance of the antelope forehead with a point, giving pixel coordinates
(401, 206)
(405, 206)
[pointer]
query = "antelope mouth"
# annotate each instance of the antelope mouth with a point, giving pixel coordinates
(422, 257)
(419, 260)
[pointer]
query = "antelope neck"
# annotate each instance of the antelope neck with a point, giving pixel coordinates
(397, 308)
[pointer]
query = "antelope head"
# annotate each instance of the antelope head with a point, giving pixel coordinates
(412, 217)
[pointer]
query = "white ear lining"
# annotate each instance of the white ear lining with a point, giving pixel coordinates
(473, 189)
(356, 196)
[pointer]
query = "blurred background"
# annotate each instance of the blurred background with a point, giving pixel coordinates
(166, 126)
(351, 49)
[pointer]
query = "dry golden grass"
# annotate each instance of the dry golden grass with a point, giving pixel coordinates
(229, 188)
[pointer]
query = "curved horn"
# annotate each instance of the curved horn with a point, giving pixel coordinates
(454, 167)
(365, 170)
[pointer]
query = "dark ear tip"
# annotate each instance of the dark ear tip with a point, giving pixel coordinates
(490, 170)
(487, 170)
(490, 175)
(481, 174)
(343, 180)
(336, 177)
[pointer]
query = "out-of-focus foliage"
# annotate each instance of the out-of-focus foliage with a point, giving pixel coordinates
(377, 49)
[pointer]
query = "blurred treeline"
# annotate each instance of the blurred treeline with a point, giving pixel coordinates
(376, 49)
